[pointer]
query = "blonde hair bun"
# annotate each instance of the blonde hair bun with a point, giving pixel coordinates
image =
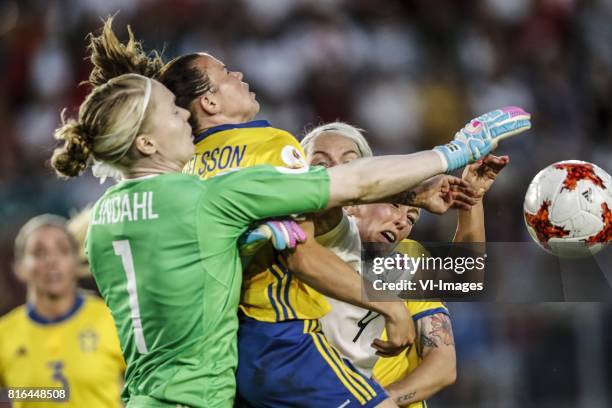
(71, 159)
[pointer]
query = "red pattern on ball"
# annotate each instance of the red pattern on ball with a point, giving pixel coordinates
(605, 235)
(542, 226)
(577, 172)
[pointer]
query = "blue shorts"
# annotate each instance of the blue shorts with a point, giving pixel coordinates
(291, 364)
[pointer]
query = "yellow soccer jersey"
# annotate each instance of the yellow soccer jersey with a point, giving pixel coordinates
(270, 292)
(392, 369)
(230, 147)
(78, 352)
(389, 370)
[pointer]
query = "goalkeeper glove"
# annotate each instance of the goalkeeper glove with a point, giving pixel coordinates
(481, 135)
(284, 234)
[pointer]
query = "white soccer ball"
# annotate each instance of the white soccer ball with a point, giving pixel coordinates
(568, 209)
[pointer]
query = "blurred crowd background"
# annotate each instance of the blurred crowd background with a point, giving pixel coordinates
(409, 72)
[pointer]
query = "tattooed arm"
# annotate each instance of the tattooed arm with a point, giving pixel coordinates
(437, 367)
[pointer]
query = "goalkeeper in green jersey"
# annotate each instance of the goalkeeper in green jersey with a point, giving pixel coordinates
(162, 245)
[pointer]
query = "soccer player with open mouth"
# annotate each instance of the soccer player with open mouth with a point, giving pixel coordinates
(183, 256)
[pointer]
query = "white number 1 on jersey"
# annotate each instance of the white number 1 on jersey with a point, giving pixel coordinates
(123, 250)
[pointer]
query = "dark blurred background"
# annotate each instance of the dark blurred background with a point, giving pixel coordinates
(410, 73)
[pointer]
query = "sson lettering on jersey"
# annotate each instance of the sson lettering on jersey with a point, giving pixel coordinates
(271, 294)
(216, 159)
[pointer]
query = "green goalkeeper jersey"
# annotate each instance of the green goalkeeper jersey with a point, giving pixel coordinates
(163, 253)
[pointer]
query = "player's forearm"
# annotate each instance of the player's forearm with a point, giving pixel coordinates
(470, 225)
(322, 270)
(470, 230)
(436, 371)
(372, 179)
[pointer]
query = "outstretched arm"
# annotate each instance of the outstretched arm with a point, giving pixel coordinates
(361, 181)
(369, 180)
(372, 179)
(436, 195)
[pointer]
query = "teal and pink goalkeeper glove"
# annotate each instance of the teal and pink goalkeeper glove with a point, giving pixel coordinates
(481, 135)
(284, 234)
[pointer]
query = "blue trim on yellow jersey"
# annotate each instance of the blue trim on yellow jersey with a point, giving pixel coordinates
(251, 124)
(429, 312)
(32, 314)
(288, 274)
(279, 291)
(280, 296)
(273, 301)
(287, 285)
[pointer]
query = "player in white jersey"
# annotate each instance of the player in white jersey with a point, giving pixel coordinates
(351, 329)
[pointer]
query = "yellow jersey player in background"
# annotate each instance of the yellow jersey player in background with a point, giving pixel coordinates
(60, 338)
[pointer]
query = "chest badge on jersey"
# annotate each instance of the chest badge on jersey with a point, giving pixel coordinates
(21, 351)
(292, 157)
(88, 340)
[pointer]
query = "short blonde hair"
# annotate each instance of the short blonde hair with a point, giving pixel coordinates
(344, 129)
(36, 223)
(109, 120)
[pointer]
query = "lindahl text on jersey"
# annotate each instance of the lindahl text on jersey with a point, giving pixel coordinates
(125, 207)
